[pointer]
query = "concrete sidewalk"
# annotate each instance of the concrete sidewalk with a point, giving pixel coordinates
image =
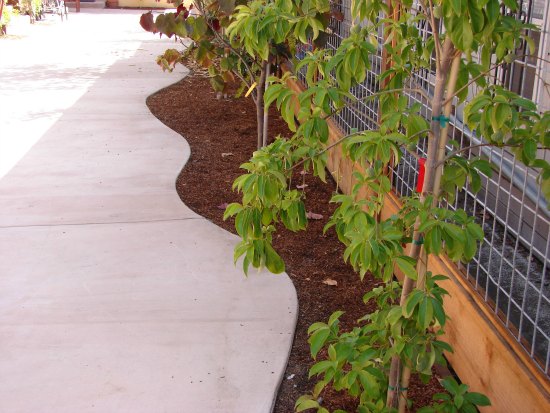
(114, 296)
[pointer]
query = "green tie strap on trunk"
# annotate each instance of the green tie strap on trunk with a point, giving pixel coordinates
(443, 120)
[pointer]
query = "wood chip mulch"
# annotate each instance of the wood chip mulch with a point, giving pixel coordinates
(222, 135)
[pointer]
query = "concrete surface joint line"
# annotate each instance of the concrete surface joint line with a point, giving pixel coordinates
(116, 297)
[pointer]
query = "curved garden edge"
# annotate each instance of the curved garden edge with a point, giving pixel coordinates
(220, 142)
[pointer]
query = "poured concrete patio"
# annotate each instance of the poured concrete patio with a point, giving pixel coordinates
(114, 296)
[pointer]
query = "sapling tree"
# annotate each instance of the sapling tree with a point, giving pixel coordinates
(241, 40)
(374, 361)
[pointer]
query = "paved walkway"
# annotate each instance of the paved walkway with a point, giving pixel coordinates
(114, 296)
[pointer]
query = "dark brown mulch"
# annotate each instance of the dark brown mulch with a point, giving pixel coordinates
(222, 135)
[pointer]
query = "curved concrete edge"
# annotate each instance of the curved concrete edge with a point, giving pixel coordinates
(294, 310)
(283, 370)
(132, 302)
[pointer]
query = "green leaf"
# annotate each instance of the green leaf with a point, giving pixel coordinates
(320, 169)
(459, 6)
(529, 152)
(320, 367)
(483, 166)
(477, 398)
(273, 261)
(412, 301)
(443, 345)
(450, 385)
(334, 317)
(493, 11)
(439, 312)
(232, 209)
(503, 113)
(425, 312)
(317, 340)
(315, 327)
(475, 181)
(511, 4)
(394, 315)
(424, 362)
(476, 16)
(454, 231)
(305, 403)
(407, 265)
(459, 401)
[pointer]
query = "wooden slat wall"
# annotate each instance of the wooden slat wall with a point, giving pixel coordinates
(486, 356)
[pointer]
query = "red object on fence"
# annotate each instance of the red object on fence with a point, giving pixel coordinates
(421, 172)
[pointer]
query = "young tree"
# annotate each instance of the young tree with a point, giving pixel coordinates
(241, 39)
(375, 360)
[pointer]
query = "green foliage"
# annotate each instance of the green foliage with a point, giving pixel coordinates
(457, 400)
(405, 325)
(231, 39)
(243, 40)
(267, 201)
(357, 361)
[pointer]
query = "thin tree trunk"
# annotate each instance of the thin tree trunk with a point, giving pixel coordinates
(447, 113)
(266, 109)
(405, 378)
(260, 88)
(422, 265)
(433, 144)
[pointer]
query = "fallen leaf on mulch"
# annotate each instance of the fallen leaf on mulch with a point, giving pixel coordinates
(329, 281)
(313, 215)
(223, 206)
(227, 154)
(302, 186)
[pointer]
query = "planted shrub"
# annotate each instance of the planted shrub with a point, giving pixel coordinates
(374, 361)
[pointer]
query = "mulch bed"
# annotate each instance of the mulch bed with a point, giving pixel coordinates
(222, 135)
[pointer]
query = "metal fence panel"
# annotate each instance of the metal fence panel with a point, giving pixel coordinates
(510, 270)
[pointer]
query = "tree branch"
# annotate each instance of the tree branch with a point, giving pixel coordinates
(488, 71)
(372, 96)
(221, 39)
(435, 31)
(339, 141)
(481, 145)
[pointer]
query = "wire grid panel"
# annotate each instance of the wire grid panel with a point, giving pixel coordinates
(510, 270)
(361, 115)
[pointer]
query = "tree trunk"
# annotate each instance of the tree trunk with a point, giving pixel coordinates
(442, 73)
(260, 89)
(266, 109)
(422, 266)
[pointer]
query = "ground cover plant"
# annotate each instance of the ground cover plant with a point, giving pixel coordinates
(401, 336)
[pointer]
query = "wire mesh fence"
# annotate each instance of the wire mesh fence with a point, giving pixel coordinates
(510, 270)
